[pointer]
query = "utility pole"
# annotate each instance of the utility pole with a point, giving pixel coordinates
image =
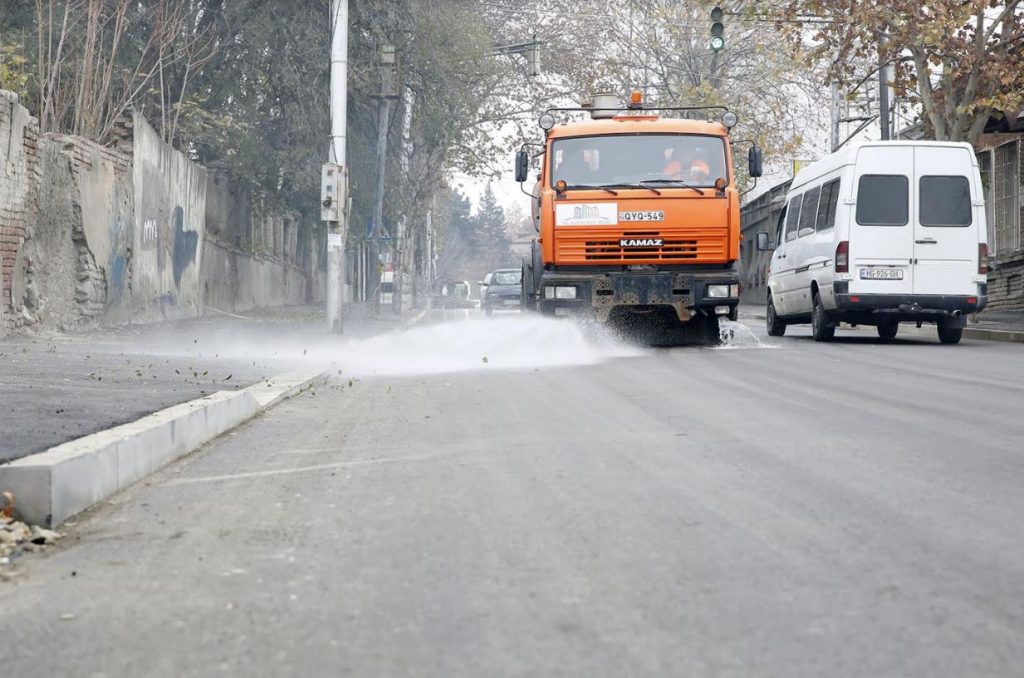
(401, 238)
(334, 180)
(883, 90)
(387, 64)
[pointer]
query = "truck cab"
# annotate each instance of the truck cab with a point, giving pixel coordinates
(637, 214)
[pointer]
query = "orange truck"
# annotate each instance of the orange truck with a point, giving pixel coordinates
(637, 216)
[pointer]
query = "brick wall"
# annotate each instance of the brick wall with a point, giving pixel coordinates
(1006, 285)
(19, 179)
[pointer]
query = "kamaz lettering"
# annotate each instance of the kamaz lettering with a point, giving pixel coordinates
(641, 242)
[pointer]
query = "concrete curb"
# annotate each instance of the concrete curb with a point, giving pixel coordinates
(54, 485)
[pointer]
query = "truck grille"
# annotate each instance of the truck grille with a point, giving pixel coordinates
(684, 245)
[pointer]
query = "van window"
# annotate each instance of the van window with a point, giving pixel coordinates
(883, 200)
(792, 218)
(809, 208)
(827, 206)
(945, 201)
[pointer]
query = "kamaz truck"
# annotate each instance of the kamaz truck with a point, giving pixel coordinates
(637, 216)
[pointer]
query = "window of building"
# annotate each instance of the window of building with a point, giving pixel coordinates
(1006, 198)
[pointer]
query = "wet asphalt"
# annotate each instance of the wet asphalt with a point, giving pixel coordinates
(778, 508)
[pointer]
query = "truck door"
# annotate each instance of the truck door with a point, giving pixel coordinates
(946, 227)
(882, 234)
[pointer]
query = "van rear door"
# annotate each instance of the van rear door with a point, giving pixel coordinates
(881, 234)
(946, 227)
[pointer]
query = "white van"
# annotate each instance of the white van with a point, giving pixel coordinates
(879, 233)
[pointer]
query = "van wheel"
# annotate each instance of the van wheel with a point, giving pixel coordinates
(776, 327)
(822, 328)
(949, 334)
(888, 331)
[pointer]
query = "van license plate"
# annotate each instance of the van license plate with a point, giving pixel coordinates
(881, 274)
(511, 302)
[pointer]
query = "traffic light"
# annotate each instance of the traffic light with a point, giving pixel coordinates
(717, 29)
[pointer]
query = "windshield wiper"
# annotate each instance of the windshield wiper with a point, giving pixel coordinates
(574, 187)
(678, 182)
(640, 185)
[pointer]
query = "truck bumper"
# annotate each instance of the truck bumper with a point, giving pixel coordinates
(596, 294)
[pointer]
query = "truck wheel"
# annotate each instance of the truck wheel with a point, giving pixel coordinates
(776, 327)
(526, 300)
(709, 331)
(822, 328)
(950, 334)
(887, 331)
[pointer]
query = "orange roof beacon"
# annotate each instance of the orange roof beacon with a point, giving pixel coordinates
(637, 216)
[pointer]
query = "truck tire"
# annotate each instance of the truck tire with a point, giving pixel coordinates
(950, 334)
(526, 297)
(822, 328)
(709, 331)
(776, 326)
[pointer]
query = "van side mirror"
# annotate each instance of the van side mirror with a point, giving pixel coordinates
(522, 166)
(764, 243)
(755, 160)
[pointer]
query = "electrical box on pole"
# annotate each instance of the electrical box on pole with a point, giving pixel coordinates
(333, 192)
(717, 29)
(533, 59)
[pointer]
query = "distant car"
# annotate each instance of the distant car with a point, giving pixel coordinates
(484, 284)
(504, 290)
(450, 294)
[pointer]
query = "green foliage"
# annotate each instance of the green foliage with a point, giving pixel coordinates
(14, 75)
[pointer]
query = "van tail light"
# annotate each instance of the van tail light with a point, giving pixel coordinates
(843, 257)
(982, 259)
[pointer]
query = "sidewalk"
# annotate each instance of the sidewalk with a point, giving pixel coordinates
(990, 326)
(60, 388)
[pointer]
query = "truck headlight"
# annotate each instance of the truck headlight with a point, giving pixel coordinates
(734, 291)
(565, 292)
(717, 291)
(559, 292)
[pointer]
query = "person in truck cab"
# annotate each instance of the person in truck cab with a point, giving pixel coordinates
(686, 165)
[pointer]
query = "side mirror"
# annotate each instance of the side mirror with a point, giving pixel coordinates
(755, 160)
(522, 166)
(764, 244)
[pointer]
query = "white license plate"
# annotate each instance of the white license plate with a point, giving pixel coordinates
(642, 215)
(881, 274)
(511, 302)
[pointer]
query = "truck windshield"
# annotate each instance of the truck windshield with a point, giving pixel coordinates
(627, 160)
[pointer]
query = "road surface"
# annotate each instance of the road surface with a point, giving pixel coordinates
(802, 509)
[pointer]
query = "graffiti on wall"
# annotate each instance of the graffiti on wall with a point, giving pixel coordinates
(173, 242)
(185, 244)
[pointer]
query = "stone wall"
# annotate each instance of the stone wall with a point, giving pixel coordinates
(170, 219)
(760, 214)
(94, 234)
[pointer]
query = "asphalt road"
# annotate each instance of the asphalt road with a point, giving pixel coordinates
(851, 509)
